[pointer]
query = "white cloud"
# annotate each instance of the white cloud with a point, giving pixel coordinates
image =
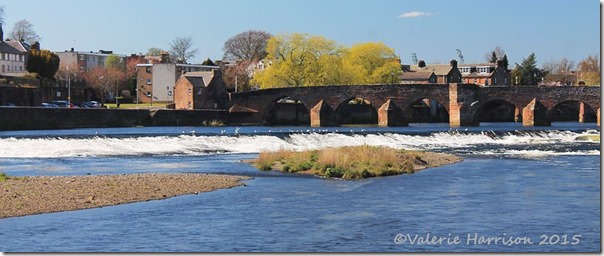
(414, 14)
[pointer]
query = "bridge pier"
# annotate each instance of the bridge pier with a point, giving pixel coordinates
(517, 115)
(581, 112)
(458, 98)
(598, 116)
(535, 114)
(391, 115)
(322, 115)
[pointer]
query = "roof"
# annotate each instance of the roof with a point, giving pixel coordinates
(438, 69)
(416, 75)
(6, 48)
(199, 78)
(18, 46)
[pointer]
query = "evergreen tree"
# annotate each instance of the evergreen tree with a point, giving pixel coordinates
(208, 62)
(45, 63)
(529, 73)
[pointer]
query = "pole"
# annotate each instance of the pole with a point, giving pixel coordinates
(235, 82)
(68, 87)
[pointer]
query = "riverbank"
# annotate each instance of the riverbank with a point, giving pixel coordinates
(45, 194)
(352, 162)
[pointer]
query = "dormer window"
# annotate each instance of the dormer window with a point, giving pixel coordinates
(483, 69)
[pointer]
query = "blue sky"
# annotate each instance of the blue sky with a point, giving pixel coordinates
(433, 29)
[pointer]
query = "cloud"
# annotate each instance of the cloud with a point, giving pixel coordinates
(414, 14)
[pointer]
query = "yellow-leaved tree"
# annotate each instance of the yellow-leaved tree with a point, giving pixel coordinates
(371, 63)
(304, 60)
(298, 60)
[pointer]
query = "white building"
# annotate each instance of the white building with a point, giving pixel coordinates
(155, 82)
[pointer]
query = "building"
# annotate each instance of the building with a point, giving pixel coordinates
(155, 81)
(418, 78)
(485, 74)
(86, 61)
(200, 90)
(444, 73)
(13, 57)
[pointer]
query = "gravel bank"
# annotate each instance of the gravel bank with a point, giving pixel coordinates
(21, 196)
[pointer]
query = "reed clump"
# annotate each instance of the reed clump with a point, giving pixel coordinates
(351, 162)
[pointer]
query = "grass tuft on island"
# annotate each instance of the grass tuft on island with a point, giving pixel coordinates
(352, 162)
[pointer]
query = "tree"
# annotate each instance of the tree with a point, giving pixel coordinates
(154, 51)
(298, 60)
(370, 63)
(45, 63)
(237, 75)
(103, 80)
(23, 31)
(208, 62)
(558, 70)
(181, 48)
(589, 70)
(115, 62)
(247, 46)
(497, 54)
(1, 17)
(527, 72)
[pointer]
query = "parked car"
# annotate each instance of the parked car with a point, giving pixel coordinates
(8, 105)
(49, 105)
(63, 104)
(91, 104)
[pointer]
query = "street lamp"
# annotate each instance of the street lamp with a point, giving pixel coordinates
(68, 88)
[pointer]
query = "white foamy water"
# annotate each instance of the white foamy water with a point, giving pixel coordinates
(485, 143)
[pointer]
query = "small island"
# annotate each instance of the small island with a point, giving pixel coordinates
(352, 162)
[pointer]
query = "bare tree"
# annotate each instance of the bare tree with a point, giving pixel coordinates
(495, 55)
(23, 31)
(104, 80)
(181, 48)
(1, 14)
(248, 46)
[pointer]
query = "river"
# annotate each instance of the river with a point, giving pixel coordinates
(519, 189)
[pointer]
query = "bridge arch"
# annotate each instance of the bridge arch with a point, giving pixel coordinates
(572, 110)
(426, 110)
(497, 110)
(286, 110)
(356, 110)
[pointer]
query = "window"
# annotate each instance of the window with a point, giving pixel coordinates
(483, 69)
(199, 91)
(81, 69)
(190, 90)
(82, 57)
(148, 69)
(464, 70)
(495, 80)
(148, 81)
(190, 107)
(486, 82)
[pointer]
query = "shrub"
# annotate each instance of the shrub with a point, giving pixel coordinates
(3, 176)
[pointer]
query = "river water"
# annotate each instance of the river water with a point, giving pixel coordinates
(519, 189)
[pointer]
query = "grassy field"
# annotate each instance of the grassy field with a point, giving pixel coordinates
(345, 162)
(136, 106)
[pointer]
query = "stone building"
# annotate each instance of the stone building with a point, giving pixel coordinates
(155, 81)
(444, 73)
(485, 74)
(13, 57)
(201, 90)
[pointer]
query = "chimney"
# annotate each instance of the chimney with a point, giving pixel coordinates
(71, 49)
(454, 63)
(421, 63)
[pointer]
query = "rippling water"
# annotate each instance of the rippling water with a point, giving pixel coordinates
(515, 182)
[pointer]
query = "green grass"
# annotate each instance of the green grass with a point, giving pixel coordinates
(3, 177)
(134, 105)
(345, 162)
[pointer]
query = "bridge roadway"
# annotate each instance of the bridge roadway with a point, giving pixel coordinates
(463, 102)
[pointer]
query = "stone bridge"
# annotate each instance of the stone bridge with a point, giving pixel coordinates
(463, 102)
